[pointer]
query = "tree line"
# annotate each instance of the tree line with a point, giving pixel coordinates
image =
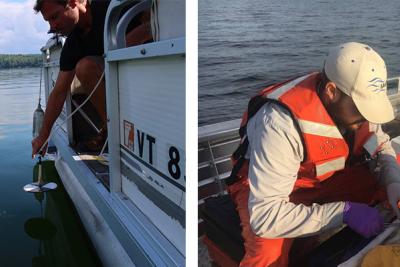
(20, 61)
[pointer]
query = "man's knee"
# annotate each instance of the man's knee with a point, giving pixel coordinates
(88, 68)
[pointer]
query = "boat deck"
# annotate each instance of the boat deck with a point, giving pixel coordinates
(99, 169)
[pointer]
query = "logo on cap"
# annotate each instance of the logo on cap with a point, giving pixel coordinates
(377, 84)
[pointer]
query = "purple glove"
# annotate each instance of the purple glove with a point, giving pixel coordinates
(362, 219)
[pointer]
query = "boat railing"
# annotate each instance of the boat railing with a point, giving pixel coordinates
(393, 85)
(126, 18)
(215, 147)
(115, 28)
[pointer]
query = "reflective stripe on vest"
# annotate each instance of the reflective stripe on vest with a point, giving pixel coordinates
(284, 88)
(315, 128)
(330, 166)
(308, 127)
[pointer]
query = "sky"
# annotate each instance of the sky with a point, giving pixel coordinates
(23, 31)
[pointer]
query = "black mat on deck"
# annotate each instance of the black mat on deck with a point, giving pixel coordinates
(222, 225)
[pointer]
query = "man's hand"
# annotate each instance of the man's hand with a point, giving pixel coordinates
(37, 144)
(393, 195)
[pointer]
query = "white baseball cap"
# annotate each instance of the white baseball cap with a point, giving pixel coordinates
(359, 72)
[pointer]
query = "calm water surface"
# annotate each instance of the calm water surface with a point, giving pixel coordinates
(246, 45)
(25, 239)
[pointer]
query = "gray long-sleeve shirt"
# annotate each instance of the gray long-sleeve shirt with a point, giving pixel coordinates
(275, 152)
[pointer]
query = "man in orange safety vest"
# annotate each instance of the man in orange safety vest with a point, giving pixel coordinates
(300, 169)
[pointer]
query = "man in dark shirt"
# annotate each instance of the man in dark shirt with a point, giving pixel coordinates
(82, 21)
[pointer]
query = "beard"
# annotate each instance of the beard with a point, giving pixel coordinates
(334, 112)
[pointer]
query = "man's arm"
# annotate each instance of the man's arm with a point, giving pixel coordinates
(389, 169)
(275, 155)
(53, 108)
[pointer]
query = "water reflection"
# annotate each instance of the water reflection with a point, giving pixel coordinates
(70, 245)
(61, 239)
(41, 229)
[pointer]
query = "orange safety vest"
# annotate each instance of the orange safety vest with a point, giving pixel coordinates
(326, 151)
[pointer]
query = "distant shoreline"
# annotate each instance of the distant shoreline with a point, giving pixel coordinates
(13, 61)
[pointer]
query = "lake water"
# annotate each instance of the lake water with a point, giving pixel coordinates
(246, 45)
(26, 238)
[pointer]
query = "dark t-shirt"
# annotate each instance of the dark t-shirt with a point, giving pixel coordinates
(78, 45)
